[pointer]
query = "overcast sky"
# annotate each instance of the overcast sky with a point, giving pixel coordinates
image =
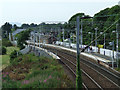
(37, 11)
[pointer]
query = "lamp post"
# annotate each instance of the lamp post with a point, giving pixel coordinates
(104, 43)
(112, 44)
(117, 36)
(83, 17)
(113, 55)
(34, 39)
(63, 36)
(91, 36)
(96, 37)
(39, 39)
(81, 33)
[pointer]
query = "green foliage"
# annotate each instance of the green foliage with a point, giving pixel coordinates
(22, 37)
(110, 16)
(3, 50)
(6, 29)
(42, 73)
(15, 26)
(13, 55)
(7, 82)
(103, 19)
(73, 18)
(5, 42)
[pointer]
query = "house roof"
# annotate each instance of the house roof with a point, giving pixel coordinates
(18, 31)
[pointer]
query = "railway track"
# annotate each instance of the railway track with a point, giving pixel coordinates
(93, 78)
(72, 67)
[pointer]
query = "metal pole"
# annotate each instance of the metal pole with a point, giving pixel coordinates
(117, 43)
(91, 38)
(96, 39)
(78, 72)
(70, 41)
(34, 40)
(113, 55)
(73, 37)
(104, 43)
(63, 37)
(39, 39)
(81, 32)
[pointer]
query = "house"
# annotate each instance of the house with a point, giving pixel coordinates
(42, 38)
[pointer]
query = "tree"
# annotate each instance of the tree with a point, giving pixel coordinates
(22, 37)
(15, 26)
(6, 29)
(33, 25)
(13, 55)
(25, 26)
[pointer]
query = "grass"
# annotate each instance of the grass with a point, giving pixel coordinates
(29, 71)
(5, 58)
(118, 69)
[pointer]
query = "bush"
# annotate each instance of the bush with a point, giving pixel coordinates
(21, 46)
(4, 50)
(13, 55)
(6, 42)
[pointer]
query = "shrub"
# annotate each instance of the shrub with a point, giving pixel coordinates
(3, 50)
(13, 55)
(6, 42)
(20, 45)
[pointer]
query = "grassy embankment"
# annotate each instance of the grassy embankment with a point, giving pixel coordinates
(30, 71)
(5, 58)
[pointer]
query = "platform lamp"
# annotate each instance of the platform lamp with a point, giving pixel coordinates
(91, 36)
(104, 41)
(117, 45)
(96, 37)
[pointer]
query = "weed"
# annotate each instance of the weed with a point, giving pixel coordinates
(42, 73)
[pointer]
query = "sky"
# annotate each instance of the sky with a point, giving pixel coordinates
(37, 11)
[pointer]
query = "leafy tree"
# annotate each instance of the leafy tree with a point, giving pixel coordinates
(6, 42)
(22, 37)
(6, 29)
(33, 25)
(15, 27)
(13, 55)
(24, 26)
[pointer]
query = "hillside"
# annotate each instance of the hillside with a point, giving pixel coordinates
(102, 20)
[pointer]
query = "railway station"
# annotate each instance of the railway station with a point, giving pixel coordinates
(60, 45)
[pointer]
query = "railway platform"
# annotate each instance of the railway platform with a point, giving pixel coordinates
(99, 58)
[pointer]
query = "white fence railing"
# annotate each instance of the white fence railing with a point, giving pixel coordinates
(94, 49)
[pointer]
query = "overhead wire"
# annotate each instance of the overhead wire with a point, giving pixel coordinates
(100, 35)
